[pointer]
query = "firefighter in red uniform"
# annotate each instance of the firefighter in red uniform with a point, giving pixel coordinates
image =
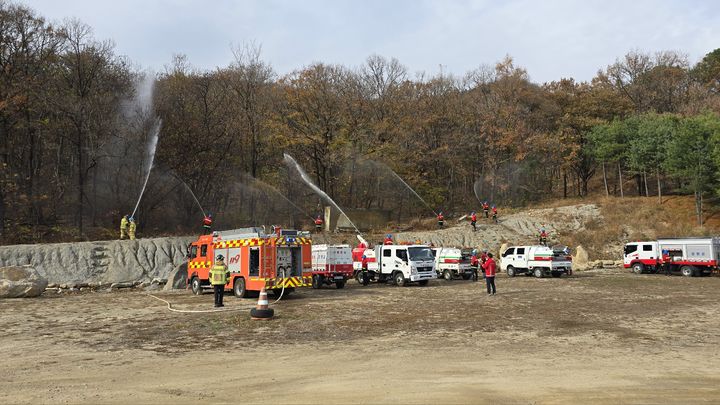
(486, 208)
(483, 259)
(388, 240)
(489, 266)
(666, 259)
(207, 224)
(475, 264)
(543, 237)
(318, 224)
(473, 220)
(441, 220)
(494, 214)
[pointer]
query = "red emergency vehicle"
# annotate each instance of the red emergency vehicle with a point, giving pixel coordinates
(254, 259)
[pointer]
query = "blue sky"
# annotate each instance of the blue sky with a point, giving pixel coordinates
(551, 39)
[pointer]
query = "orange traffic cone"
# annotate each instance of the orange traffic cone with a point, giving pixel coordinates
(262, 312)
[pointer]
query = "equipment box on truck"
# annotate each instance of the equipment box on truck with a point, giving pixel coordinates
(331, 264)
(689, 256)
(539, 261)
(398, 263)
(451, 263)
(254, 260)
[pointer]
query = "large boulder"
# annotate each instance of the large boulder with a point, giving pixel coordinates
(581, 260)
(503, 248)
(21, 282)
(103, 262)
(177, 279)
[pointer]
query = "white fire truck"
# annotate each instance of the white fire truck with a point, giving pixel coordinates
(689, 256)
(397, 263)
(539, 261)
(331, 264)
(451, 263)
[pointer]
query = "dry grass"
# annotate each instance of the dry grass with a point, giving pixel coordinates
(641, 218)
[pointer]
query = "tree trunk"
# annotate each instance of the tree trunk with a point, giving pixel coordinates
(564, 184)
(647, 192)
(81, 185)
(620, 181)
(607, 191)
(659, 186)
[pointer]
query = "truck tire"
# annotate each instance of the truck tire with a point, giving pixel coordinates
(262, 313)
(317, 281)
(539, 273)
(447, 275)
(196, 286)
(466, 276)
(239, 288)
(399, 279)
(510, 271)
(340, 284)
(358, 277)
(423, 282)
(638, 268)
(688, 271)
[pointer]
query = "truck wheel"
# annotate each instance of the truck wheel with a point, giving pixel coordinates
(687, 271)
(358, 277)
(239, 288)
(423, 282)
(447, 275)
(317, 281)
(340, 284)
(510, 271)
(638, 268)
(539, 273)
(399, 279)
(195, 286)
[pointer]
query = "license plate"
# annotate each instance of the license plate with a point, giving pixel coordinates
(339, 277)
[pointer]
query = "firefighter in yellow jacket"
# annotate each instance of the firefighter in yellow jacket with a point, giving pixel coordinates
(131, 228)
(123, 227)
(219, 276)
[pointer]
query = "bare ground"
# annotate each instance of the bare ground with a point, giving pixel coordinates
(597, 337)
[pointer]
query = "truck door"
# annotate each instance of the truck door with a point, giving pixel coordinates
(520, 258)
(254, 262)
(386, 261)
(401, 260)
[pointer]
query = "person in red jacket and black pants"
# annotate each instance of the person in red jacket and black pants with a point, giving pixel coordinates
(489, 266)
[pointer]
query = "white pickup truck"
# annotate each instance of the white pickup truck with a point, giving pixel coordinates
(540, 261)
(451, 263)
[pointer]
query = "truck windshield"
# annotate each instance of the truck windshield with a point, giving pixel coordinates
(420, 253)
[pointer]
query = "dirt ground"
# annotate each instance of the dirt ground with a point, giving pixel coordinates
(597, 337)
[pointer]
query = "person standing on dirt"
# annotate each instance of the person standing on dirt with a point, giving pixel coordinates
(219, 276)
(483, 259)
(494, 214)
(364, 268)
(490, 267)
(124, 226)
(475, 264)
(486, 209)
(473, 220)
(666, 262)
(440, 219)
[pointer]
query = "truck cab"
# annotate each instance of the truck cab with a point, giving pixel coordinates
(641, 256)
(540, 261)
(400, 264)
(405, 263)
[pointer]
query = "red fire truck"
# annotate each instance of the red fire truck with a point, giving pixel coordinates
(254, 259)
